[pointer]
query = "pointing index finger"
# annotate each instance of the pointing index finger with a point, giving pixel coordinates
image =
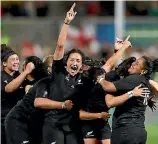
(127, 38)
(73, 6)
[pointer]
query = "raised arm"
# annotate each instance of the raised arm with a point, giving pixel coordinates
(59, 51)
(124, 56)
(113, 59)
(113, 101)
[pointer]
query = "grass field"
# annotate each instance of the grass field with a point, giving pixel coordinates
(152, 130)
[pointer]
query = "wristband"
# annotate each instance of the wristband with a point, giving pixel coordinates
(63, 106)
(100, 80)
(66, 23)
(130, 94)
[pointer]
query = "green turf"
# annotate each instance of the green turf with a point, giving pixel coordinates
(152, 130)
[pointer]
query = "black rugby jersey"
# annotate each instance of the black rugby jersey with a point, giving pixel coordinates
(25, 107)
(66, 87)
(132, 112)
(96, 102)
(9, 100)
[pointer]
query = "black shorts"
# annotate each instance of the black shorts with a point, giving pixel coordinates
(56, 134)
(98, 129)
(3, 137)
(16, 131)
(129, 135)
(21, 129)
(4, 113)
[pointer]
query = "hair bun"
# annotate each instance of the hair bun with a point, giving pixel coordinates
(132, 59)
(6, 52)
(3, 48)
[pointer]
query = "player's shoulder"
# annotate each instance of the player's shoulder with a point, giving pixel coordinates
(43, 81)
(136, 77)
(5, 77)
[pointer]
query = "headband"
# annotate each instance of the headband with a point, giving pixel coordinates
(5, 55)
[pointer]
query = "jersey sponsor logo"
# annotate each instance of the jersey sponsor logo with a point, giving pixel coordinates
(79, 81)
(67, 78)
(6, 81)
(54, 142)
(25, 142)
(90, 133)
(72, 86)
(45, 94)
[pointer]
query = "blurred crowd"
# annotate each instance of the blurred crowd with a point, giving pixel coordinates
(84, 8)
(93, 48)
(83, 39)
(106, 8)
(97, 50)
(24, 8)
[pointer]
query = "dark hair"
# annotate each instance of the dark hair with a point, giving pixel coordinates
(40, 70)
(74, 51)
(122, 69)
(3, 47)
(99, 63)
(6, 52)
(94, 63)
(93, 73)
(150, 66)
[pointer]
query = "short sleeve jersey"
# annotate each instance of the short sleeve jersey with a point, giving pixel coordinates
(132, 112)
(25, 107)
(96, 102)
(9, 100)
(66, 87)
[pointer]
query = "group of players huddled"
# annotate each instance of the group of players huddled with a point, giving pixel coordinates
(65, 98)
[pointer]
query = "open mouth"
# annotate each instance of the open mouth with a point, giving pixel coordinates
(74, 68)
(131, 67)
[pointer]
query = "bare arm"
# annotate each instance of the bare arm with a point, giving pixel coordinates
(112, 101)
(45, 103)
(59, 51)
(89, 116)
(113, 59)
(124, 56)
(154, 86)
(92, 116)
(16, 83)
(106, 85)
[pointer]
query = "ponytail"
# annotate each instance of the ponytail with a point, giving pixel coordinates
(150, 67)
(155, 65)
